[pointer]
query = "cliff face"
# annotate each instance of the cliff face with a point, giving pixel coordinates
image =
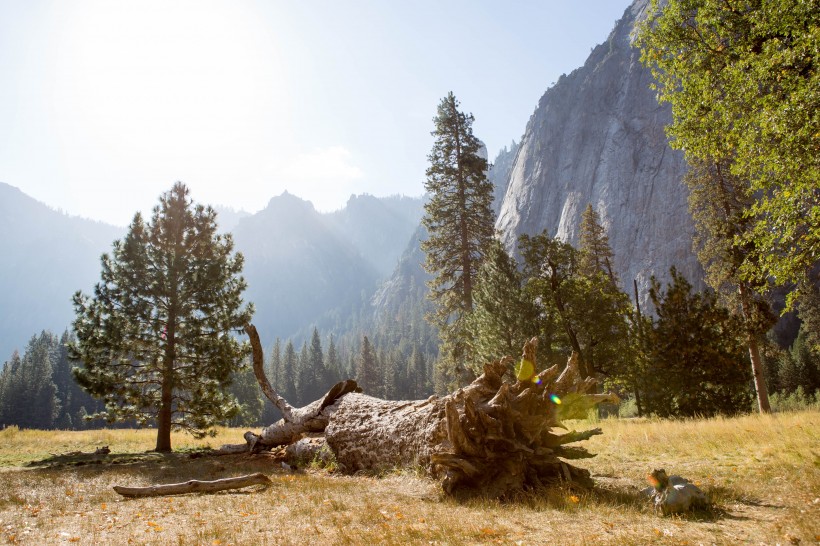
(597, 136)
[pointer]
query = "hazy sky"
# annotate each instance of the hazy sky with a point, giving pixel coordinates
(105, 104)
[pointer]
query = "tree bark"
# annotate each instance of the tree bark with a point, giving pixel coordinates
(761, 390)
(490, 438)
(194, 486)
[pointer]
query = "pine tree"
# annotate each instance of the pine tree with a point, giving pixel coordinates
(460, 222)
(10, 392)
(333, 364)
(276, 375)
(504, 318)
(595, 253)
(154, 339)
(245, 390)
(316, 361)
(419, 381)
(579, 313)
(290, 364)
(39, 392)
(367, 371)
(719, 201)
(304, 377)
(697, 361)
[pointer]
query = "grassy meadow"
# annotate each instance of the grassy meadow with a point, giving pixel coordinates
(761, 472)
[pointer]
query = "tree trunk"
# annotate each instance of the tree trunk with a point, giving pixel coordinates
(761, 390)
(490, 438)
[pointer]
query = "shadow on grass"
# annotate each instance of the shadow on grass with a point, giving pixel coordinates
(156, 468)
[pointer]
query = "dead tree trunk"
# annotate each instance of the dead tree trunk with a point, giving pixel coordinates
(491, 437)
(194, 486)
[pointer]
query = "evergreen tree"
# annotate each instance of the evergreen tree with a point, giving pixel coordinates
(802, 368)
(290, 364)
(550, 269)
(419, 380)
(39, 392)
(719, 202)
(460, 222)
(367, 371)
(245, 390)
(276, 375)
(154, 340)
(316, 361)
(595, 253)
(11, 402)
(697, 357)
(333, 364)
(504, 317)
(304, 377)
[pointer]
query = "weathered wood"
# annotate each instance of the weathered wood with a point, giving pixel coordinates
(491, 437)
(194, 486)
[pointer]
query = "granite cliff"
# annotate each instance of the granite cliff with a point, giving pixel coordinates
(597, 136)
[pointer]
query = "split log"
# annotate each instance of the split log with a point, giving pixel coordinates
(490, 438)
(194, 486)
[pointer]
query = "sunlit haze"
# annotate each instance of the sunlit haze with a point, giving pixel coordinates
(104, 105)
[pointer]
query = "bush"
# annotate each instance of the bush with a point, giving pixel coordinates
(798, 400)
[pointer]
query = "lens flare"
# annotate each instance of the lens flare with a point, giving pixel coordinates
(524, 370)
(555, 399)
(536, 380)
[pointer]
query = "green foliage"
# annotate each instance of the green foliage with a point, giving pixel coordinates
(696, 359)
(459, 220)
(368, 374)
(248, 396)
(595, 253)
(744, 87)
(799, 400)
(504, 317)
(155, 338)
(576, 312)
(800, 367)
(719, 202)
(38, 390)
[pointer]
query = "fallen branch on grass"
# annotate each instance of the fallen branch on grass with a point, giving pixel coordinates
(194, 486)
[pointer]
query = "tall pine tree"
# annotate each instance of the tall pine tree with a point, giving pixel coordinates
(368, 375)
(459, 220)
(595, 252)
(155, 338)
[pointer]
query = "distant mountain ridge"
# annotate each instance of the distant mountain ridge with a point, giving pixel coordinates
(47, 256)
(302, 267)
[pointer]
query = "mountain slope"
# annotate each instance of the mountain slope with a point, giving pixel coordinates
(47, 256)
(597, 137)
(297, 268)
(378, 227)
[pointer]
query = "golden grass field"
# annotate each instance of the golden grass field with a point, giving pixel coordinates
(761, 472)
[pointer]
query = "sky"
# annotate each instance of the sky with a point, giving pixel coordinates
(105, 104)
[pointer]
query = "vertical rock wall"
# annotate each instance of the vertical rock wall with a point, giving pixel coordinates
(597, 136)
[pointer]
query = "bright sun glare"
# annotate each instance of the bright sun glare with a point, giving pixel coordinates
(192, 89)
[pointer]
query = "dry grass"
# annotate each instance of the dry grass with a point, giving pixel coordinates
(763, 473)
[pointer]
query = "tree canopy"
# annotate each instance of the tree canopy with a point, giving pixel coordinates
(742, 80)
(155, 339)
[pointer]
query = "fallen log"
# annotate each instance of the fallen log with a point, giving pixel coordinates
(492, 437)
(194, 486)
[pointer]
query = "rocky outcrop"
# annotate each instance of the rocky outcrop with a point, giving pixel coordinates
(597, 136)
(499, 174)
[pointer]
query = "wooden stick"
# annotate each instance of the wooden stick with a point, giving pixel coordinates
(194, 486)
